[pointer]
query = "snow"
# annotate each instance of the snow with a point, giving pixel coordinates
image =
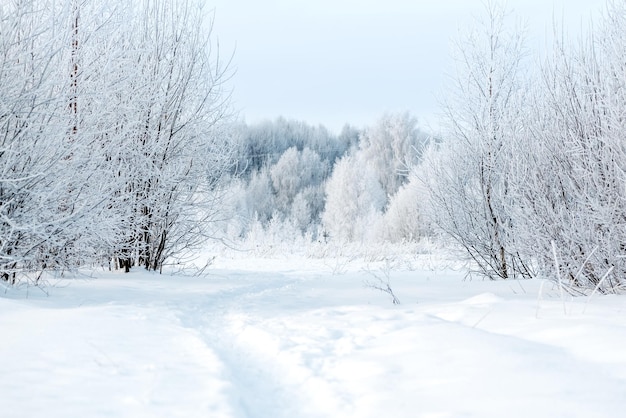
(289, 337)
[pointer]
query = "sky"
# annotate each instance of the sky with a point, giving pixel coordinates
(334, 62)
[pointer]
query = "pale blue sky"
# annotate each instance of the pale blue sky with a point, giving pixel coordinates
(338, 61)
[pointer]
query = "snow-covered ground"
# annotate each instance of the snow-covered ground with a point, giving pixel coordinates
(293, 337)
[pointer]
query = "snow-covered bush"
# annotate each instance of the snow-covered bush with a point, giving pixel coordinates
(307, 208)
(174, 151)
(391, 147)
(403, 220)
(260, 199)
(295, 171)
(469, 178)
(51, 186)
(530, 180)
(354, 201)
(572, 171)
(112, 138)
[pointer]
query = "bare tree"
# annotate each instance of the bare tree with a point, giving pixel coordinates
(570, 189)
(177, 153)
(44, 204)
(468, 183)
(111, 143)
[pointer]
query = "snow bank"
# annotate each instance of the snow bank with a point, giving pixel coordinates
(291, 338)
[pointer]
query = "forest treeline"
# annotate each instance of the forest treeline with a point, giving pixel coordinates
(305, 180)
(119, 147)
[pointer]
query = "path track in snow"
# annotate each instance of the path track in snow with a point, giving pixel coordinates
(308, 344)
(267, 380)
(287, 359)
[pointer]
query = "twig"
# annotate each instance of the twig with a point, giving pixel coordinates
(383, 286)
(558, 275)
(539, 298)
(597, 287)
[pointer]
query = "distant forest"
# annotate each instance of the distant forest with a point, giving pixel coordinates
(305, 180)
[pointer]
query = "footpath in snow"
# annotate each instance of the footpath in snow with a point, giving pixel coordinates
(306, 338)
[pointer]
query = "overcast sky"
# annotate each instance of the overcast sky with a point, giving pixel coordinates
(349, 61)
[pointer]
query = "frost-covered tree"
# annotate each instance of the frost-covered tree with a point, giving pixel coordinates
(260, 198)
(571, 171)
(403, 220)
(533, 184)
(178, 153)
(307, 207)
(111, 143)
(469, 179)
(47, 207)
(295, 171)
(391, 147)
(354, 201)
